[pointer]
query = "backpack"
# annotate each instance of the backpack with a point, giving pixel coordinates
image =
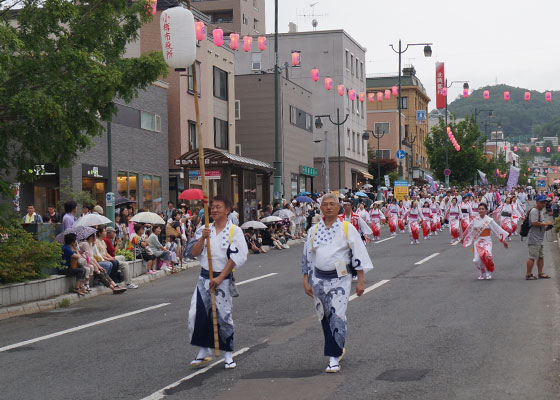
(526, 225)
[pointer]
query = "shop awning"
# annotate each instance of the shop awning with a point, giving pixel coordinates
(366, 175)
(216, 157)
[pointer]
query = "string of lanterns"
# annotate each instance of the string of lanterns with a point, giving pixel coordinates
(452, 139)
(507, 95)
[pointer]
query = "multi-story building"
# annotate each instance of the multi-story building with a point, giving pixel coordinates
(246, 17)
(338, 56)
(413, 99)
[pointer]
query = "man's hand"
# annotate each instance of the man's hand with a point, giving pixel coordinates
(360, 287)
(214, 283)
(506, 245)
(307, 286)
(206, 233)
(368, 240)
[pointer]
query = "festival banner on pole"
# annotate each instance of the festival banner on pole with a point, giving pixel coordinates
(483, 177)
(513, 177)
(433, 186)
(440, 85)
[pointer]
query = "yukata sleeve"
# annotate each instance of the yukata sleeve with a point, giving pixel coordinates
(366, 230)
(498, 231)
(306, 262)
(360, 256)
(238, 250)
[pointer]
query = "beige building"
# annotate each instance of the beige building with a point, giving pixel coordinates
(246, 17)
(414, 98)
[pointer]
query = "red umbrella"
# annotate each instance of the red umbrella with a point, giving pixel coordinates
(191, 194)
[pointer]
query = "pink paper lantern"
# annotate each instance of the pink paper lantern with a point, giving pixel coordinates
(200, 30)
(371, 97)
(486, 95)
(247, 43)
(387, 94)
(465, 93)
(379, 96)
(526, 149)
(538, 149)
(296, 58)
(234, 41)
(361, 97)
(352, 94)
(262, 43)
(505, 148)
(458, 147)
(328, 83)
(218, 35)
(448, 129)
(395, 90)
(527, 96)
(444, 91)
(514, 148)
(548, 96)
(528, 169)
(548, 149)
(506, 96)
(315, 74)
(558, 149)
(340, 89)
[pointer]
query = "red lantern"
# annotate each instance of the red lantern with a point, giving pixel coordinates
(200, 30)
(465, 93)
(448, 129)
(315, 74)
(234, 41)
(218, 36)
(340, 89)
(514, 148)
(538, 149)
(371, 97)
(352, 94)
(444, 91)
(558, 149)
(507, 96)
(379, 96)
(548, 96)
(387, 94)
(529, 169)
(486, 95)
(361, 97)
(527, 96)
(395, 90)
(296, 58)
(262, 43)
(247, 43)
(548, 149)
(526, 149)
(505, 148)
(328, 83)
(458, 147)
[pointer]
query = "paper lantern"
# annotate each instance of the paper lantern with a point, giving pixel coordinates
(465, 93)
(448, 129)
(458, 147)
(507, 96)
(379, 96)
(151, 7)
(514, 148)
(178, 40)
(387, 94)
(526, 149)
(395, 90)
(486, 95)
(234, 41)
(558, 149)
(218, 35)
(262, 43)
(361, 97)
(548, 96)
(548, 149)
(371, 97)
(529, 169)
(444, 91)
(200, 30)
(296, 58)
(328, 83)
(247, 43)
(527, 96)
(315, 74)
(352, 94)
(340, 89)
(538, 149)
(505, 148)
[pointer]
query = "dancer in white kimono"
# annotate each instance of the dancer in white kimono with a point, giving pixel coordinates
(504, 214)
(229, 251)
(453, 215)
(478, 235)
(332, 249)
(413, 216)
(376, 216)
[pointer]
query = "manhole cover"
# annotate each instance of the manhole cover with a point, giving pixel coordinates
(403, 375)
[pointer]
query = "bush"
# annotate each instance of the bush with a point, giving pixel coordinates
(126, 253)
(557, 225)
(22, 257)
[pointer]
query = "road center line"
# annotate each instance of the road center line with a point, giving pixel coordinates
(455, 243)
(256, 278)
(426, 259)
(369, 289)
(80, 327)
(384, 240)
(160, 394)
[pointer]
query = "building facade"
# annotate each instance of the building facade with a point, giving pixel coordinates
(246, 17)
(414, 131)
(338, 56)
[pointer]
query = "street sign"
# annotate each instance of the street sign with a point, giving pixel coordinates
(309, 171)
(421, 116)
(447, 172)
(110, 199)
(401, 154)
(387, 181)
(401, 189)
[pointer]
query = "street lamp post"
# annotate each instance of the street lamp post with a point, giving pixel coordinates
(326, 163)
(409, 142)
(400, 51)
(447, 86)
(476, 112)
(277, 195)
(338, 123)
(378, 134)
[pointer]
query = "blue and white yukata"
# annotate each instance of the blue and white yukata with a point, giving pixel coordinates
(323, 248)
(200, 313)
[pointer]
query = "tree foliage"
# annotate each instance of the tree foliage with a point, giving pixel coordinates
(386, 165)
(61, 65)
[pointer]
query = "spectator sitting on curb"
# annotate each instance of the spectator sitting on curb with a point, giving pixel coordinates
(112, 243)
(119, 266)
(141, 248)
(161, 253)
(70, 265)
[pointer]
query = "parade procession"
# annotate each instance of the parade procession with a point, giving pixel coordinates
(279, 200)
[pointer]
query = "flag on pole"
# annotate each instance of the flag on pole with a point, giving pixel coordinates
(513, 177)
(482, 177)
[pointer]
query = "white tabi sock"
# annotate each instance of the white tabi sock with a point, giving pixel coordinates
(204, 352)
(228, 357)
(333, 361)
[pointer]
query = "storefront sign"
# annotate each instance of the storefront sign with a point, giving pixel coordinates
(387, 181)
(307, 170)
(210, 174)
(94, 171)
(440, 85)
(401, 189)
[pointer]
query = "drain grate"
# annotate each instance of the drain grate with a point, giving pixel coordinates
(403, 375)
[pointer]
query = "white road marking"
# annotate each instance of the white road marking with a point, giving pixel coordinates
(80, 327)
(369, 289)
(255, 279)
(160, 394)
(426, 259)
(383, 240)
(455, 243)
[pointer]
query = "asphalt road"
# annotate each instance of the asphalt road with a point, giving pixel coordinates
(432, 331)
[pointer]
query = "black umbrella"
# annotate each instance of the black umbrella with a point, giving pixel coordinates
(123, 201)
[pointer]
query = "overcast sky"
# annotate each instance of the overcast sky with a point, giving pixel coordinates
(513, 42)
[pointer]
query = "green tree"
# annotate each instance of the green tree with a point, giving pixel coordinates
(386, 165)
(61, 65)
(464, 163)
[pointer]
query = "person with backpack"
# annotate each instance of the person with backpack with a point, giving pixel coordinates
(537, 226)
(333, 249)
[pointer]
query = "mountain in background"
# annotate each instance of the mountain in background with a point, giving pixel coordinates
(519, 118)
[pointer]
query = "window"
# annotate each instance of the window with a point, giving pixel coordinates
(193, 138)
(358, 142)
(353, 106)
(352, 64)
(220, 84)
(157, 200)
(353, 142)
(385, 154)
(308, 122)
(127, 185)
(406, 131)
(357, 68)
(361, 70)
(147, 191)
(150, 121)
(245, 21)
(301, 119)
(255, 24)
(256, 61)
(404, 103)
(221, 134)
(237, 109)
(381, 127)
(363, 147)
(347, 60)
(363, 113)
(348, 138)
(190, 85)
(293, 115)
